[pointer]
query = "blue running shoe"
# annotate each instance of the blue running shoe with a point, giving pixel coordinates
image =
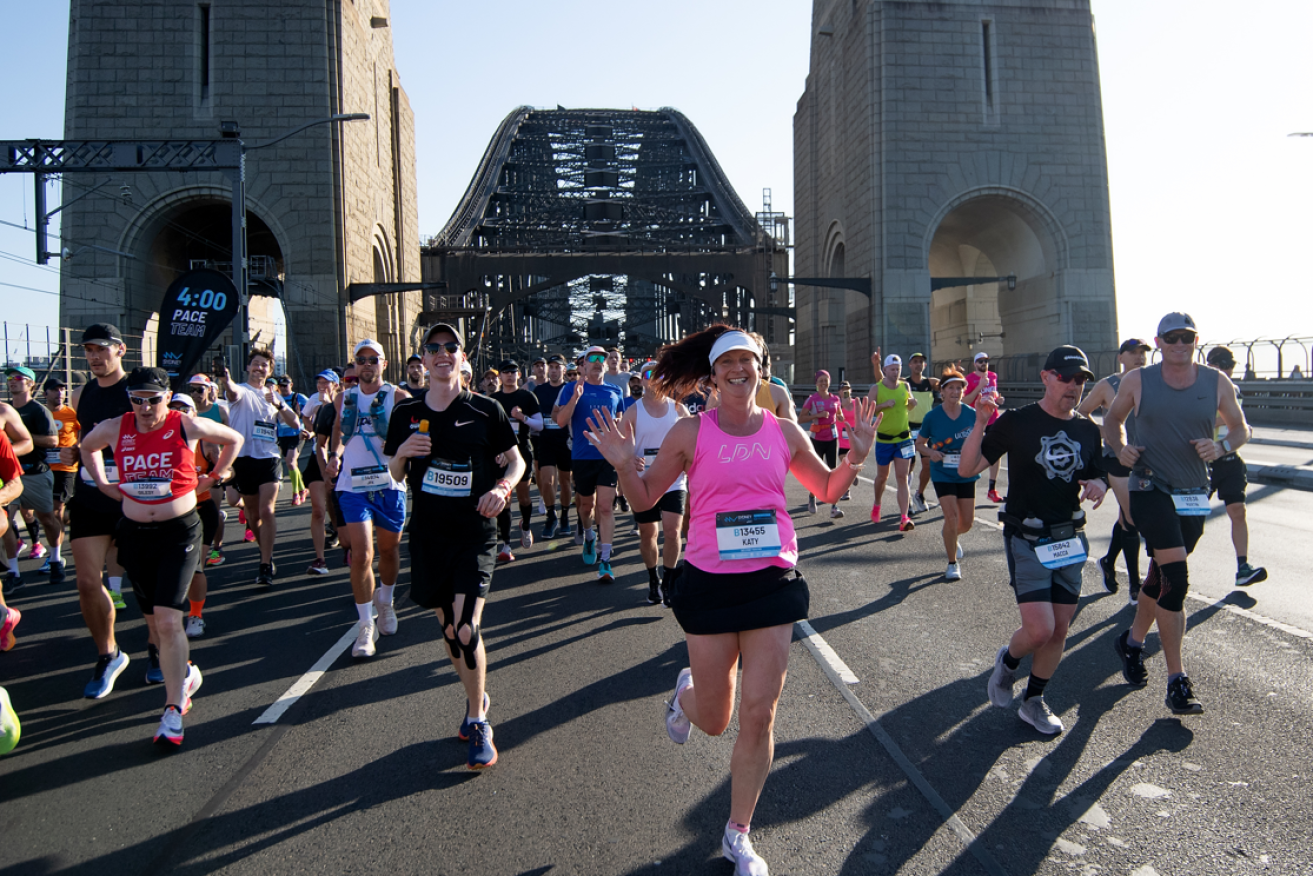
(483, 753)
(590, 551)
(154, 675)
(102, 678)
(604, 575)
(463, 734)
(45, 567)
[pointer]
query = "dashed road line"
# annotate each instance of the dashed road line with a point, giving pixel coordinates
(307, 681)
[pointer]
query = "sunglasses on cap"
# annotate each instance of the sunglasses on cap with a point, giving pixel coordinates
(1181, 337)
(367, 360)
(450, 347)
(152, 400)
(595, 357)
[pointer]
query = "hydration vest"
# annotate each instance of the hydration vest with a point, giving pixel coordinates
(378, 413)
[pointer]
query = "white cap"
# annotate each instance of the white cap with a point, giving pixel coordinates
(981, 355)
(892, 359)
(734, 340)
(201, 380)
(369, 344)
(183, 399)
(466, 367)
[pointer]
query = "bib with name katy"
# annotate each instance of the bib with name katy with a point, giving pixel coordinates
(747, 535)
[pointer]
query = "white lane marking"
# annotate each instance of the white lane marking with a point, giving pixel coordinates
(1246, 613)
(307, 681)
(811, 642)
(822, 651)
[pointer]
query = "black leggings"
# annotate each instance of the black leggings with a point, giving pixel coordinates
(828, 451)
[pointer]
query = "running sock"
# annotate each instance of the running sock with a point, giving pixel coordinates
(383, 593)
(34, 531)
(589, 535)
(504, 525)
(54, 552)
(668, 574)
(1114, 543)
(992, 483)
(13, 565)
(653, 578)
(196, 606)
(366, 612)
(1172, 676)
(1035, 687)
(526, 511)
(1131, 551)
(1011, 662)
(1240, 562)
(606, 553)
(116, 583)
(1131, 644)
(298, 484)
(734, 825)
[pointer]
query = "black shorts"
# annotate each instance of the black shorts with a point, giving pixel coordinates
(828, 451)
(1229, 476)
(672, 501)
(589, 474)
(1113, 466)
(160, 559)
(708, 604)
(334, 509)
(554, 449)
(1162, 528)
(249, 474)
(65, 484)
(453, 558)
(210, 519)
(288, 442)
(91, 513)
(311, 473)
(950, 490)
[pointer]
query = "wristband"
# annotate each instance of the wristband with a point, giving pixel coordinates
(848, 461)
(505, 484)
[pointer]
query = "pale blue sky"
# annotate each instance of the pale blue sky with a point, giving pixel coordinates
(1210, 198)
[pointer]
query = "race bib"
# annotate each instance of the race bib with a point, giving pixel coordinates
(649, 456)
(370, 478)
(147, 489)
(951, 460)
(263, 430)
(445, 478)
(747, 535)
(1057, 554)
(52, 456)
(916, 433)
(907, 451)
(1190, 503)
(111, 475)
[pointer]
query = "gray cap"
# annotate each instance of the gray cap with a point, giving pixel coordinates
(1175, 322)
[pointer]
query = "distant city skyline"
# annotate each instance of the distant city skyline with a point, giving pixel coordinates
(1209, 195)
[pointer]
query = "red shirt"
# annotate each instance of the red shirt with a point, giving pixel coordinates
(155, 467)
(10, 468)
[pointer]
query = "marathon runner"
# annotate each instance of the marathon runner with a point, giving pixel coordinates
(925, 390)
(939, 442)
(321, 418)
(821, 410)
(159, 534)
(446, 444)
(521, 407)
(204, 393)
(65, 476)
(538, 376)
(205, 457)
(893, 443)
(325, 422)
(848, 408)
(1053, 454)
(614, 376)
(1125, 537)
(1228, 478)
(771, 396)
(552, 452)
(23, 445)
(594, 478)
(1176, 404)
(254, 409)
(983, 382)
(740, 592)
(38, 481)
(289, 437)
(649, 420)
(93, 516)
(416, 378)
(11, 488)
(371, 500)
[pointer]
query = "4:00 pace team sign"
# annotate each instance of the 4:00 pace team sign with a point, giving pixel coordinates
(197, 307)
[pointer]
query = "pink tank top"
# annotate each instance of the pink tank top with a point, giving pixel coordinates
(740, 519)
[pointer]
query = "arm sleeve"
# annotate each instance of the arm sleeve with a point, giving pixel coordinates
(997, 438)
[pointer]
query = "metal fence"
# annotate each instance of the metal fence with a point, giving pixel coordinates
(1257, 359)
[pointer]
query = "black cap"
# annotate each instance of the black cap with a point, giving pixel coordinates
(285, 378)
(540, 360)
(414, 358)
(1068, 360)
(269, 381)
(1221, 357)
(507, 365)
(1133, 344)
(54, 383)
(443, 328)
(102, 333)
(555, 360)
(142, 378)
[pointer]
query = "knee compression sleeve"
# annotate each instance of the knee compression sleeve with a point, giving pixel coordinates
(1175, 584)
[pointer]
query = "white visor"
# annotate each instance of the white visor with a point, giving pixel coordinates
(947, 380)
(734, 340)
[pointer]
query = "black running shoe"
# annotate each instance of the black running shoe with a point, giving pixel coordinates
(653, 592)
(1181, 700)
(1132, 661)
(13, 584)
(265, 578)
(624, 504)
(1244, 577)
(1109, 567)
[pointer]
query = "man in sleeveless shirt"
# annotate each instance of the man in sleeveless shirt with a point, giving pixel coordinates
(893, 440)
(1125, 537)
(1176, 403)
(38, 481)
(926, 392)
(982, 381)
(1228, 479)
(370, 498)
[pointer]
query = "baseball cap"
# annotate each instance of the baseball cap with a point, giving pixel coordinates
(892, 359)
(917, 356)
(201, 380)
(413, 358)
(981, 355)
(1175, 321)
(1221, 357)
(1132, 344)
(143, 378)
(54, 383)
(466, 367)
(269, 381)
(21, 370)
(369, 344)
(594, 349)
(540, 361)
(103, 334)
(284, 379)
(328, 374)
(1068, 360)
(181, 398)
(439, 328)
(507, 365)
(555, 360)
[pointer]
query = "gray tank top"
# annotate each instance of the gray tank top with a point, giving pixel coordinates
(1115, 381)
(1168, 420)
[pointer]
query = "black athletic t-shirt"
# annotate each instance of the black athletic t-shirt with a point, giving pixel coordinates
(1047, 460)
(546, 395)
(40, 424)
(99, 403)
(523, 399)
(467, 437)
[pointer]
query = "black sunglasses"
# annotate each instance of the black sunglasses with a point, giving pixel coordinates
(366, 360)
(196, 390)
(1179, 338)
(450, 346)
(1075, 378)
(150, 400)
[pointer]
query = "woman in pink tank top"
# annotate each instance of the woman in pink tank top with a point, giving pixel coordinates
(740, 593)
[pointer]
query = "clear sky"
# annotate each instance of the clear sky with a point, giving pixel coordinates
(1210, 198)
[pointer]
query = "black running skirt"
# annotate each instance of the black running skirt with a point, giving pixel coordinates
(708, 604)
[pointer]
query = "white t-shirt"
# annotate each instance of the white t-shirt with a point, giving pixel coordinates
(256, 420)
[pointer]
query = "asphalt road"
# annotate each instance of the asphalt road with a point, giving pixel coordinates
(907, 770)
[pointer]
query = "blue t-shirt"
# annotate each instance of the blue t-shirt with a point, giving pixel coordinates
(296, 401)
(947, 435)
(596, 397)
(629, 403)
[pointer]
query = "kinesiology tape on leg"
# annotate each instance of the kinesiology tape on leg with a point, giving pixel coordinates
(467, 621)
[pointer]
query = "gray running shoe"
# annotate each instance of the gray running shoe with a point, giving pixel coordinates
(677, 723)
(1037, 714)
(1001, 681)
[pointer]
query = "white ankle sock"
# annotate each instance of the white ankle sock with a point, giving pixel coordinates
(366, 612)
(383, 594)
(116, 583)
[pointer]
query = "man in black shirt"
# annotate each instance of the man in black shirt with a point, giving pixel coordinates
(447, 445)
(1053, 453)
(38, 482)
(521, 406)
(552, 452)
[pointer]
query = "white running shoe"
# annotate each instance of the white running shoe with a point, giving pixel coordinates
(1001, 681)
(811, 504)
(526, 537)
(677, 723)
(170, 729)
(960, 553)
(953, 573)
(190, 685)
(195, 627)
(1037, 714)
(542, 509)
(736, 847)
(365, 639)
(835, 512)
(387, 618)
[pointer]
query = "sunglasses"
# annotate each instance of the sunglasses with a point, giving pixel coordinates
(366, 360)
(182, 409)
(151, 400)
(350, 381)
(648, 372)
(595, 357)
(1179, 338)
(450, 347)
(1075, 378)
(196, 390)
